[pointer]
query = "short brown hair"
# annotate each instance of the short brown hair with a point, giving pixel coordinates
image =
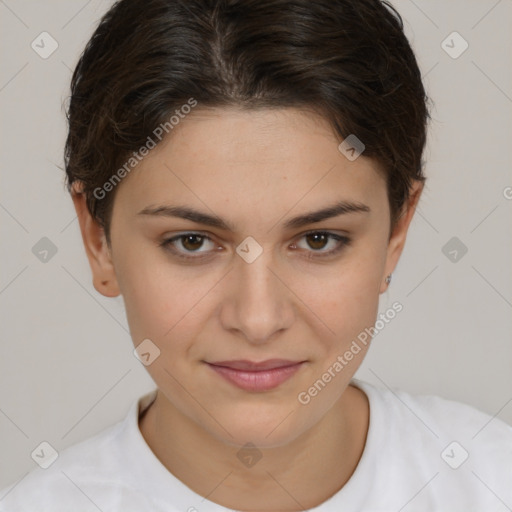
(348, 60)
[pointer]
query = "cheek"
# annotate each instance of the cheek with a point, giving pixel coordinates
(169, 305)
(158, 307)
(346, 298)
(156, 295)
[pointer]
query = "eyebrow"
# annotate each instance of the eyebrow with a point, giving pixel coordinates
(184, 212)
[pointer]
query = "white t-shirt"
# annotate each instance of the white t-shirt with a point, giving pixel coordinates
(422, 453)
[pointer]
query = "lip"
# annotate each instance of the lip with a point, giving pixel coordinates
(256, 376)
(244, 364)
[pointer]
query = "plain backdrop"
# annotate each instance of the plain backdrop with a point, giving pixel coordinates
(67, 368)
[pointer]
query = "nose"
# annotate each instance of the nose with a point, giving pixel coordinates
(258, 304)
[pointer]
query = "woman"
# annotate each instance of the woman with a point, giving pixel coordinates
(245, 174)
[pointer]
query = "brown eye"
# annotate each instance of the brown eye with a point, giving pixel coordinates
(317, 240)
(192, 242)
(188, 245)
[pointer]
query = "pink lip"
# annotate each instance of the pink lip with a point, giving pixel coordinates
(252, 376)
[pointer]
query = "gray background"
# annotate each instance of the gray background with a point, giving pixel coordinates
(67, 368)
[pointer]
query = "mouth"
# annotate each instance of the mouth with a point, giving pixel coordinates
(256, 376)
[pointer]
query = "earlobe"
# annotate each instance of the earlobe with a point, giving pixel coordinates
(96, 247)
(399, 234)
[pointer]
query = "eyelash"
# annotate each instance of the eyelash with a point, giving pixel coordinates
(344, 241)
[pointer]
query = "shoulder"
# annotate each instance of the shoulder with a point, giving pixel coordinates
(446, 414)
(427, 416)
(90, 475)
(465, 451)
(61, 483)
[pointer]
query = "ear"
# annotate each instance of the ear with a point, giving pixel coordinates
(96, 247)
(399, 233)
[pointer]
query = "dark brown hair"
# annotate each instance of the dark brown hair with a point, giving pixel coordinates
(347, 60)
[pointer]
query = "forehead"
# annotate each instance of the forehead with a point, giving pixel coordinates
(252, 157)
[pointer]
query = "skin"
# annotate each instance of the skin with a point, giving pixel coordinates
(255, 169)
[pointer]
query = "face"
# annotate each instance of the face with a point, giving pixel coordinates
(254, 279)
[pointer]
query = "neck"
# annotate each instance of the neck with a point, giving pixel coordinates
(297, 476)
